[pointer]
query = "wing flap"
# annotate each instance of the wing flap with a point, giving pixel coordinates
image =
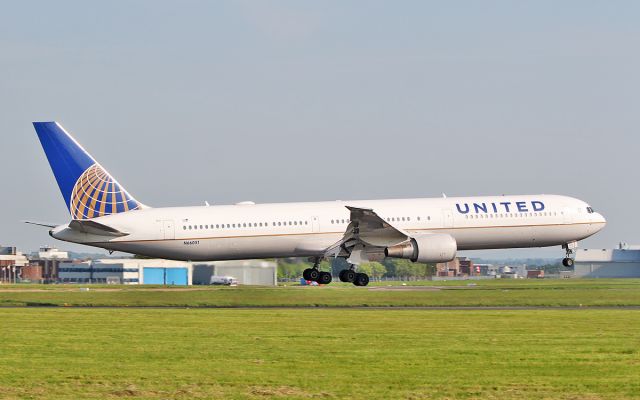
(366, 232)
(373, 230)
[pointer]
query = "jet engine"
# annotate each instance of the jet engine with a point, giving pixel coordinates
(426, 248)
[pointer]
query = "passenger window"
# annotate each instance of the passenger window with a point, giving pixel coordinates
(184, 228)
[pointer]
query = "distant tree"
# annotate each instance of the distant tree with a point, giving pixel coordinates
(337, 265)
(377, 270)
(390, 266)
(325, 266)
(408, 269)
(291, 270)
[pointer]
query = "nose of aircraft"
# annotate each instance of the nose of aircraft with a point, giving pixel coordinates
(600, 220)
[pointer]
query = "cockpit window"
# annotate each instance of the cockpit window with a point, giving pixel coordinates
(590, 210)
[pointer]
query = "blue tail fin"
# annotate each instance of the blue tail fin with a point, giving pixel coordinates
(88, 189)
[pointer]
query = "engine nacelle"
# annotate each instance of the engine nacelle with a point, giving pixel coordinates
(427, 248)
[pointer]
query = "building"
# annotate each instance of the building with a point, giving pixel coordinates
(485, 269)
(247, 272)
(31, 273)
(11, 260)
(623, 262)
(535, 273)
(127, 271)
(49, 259)
(459, 266)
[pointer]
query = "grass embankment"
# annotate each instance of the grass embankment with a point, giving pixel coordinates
(355, 354)
(585, 293)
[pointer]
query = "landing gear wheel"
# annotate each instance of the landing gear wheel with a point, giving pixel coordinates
(314, 274)
(310, 274)
(305, 274)
(347, 275)
(361, 279)
(324, 278)
(570, 249)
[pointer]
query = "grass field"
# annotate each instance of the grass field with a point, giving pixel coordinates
(572, 292)
(319, 353)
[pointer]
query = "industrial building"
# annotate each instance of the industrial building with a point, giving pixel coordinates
(247, 272)
(459, 266)
(43, 265)
(166, 272)
(623, 262)
(126, 271)
(11, 261)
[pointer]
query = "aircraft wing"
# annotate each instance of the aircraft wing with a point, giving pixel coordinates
(367, 231)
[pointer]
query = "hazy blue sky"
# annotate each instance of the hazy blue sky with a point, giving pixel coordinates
(295, 100)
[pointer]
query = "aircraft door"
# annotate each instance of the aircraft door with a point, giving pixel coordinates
(168, 230)
(315, 224)
(447, 218)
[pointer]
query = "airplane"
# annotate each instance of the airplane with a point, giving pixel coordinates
(427, 230)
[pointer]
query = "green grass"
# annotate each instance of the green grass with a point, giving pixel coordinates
(354, 354)
(578, 292)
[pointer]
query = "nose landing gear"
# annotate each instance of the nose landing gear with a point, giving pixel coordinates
(570, 250)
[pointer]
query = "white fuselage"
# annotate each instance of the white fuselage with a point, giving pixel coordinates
(308, 229)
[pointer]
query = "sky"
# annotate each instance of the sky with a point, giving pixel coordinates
(276, 101)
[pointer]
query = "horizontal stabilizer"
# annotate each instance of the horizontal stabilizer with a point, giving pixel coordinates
(45, 224)
(95, 228)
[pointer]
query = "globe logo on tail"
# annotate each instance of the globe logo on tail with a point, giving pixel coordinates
(96, 194)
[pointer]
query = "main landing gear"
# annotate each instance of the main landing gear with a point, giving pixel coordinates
(314, 274)
(569, 248)
(357, 278)
(346, 275)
